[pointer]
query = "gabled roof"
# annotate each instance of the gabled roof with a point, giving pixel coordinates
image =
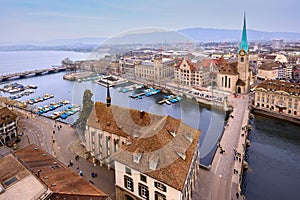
(191, 65)
(6, 115)
(229, 68)
(240, 83)
(172, 147)
(120, 120)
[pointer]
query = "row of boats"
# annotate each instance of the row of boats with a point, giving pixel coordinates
(52, 106)
(17, 96)
(147, 92)
(70, 110)
(130, 88)
(169, 99)
(16, 87)
(38, 99)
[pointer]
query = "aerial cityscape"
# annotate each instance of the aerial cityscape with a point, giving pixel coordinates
(133, 100)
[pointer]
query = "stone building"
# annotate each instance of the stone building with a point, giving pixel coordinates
(158, 70)
(278, 97)
(197, 74)
(8, 126)
(235, 77)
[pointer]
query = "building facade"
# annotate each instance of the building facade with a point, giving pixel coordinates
(158, 71)
(197, 74)
(8, 126)
(189, 73)
(278, 97)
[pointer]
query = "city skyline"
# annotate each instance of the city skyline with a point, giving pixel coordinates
(49, 20)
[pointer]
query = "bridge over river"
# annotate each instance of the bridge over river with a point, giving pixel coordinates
(36, 72)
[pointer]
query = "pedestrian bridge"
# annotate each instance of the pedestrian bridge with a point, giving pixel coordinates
(37, 72)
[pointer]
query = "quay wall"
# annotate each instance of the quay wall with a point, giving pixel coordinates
(276, 115)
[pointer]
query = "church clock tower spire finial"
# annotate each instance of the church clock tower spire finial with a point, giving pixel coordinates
(108, 99)
(244, 42)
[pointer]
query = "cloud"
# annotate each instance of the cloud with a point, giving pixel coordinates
(64, 15)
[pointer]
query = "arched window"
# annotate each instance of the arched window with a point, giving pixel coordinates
(242, 59)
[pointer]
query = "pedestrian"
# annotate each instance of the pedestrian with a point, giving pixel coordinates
(77, 170)
(81, 173)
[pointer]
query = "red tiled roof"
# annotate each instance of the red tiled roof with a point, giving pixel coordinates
(279, 86)
(229, 68)
(58, 177)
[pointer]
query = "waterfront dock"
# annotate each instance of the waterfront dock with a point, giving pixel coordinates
(36, 72)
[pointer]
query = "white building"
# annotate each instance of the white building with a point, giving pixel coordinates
(8, 126)
(156, 157)
(160, 166)
(158, 70)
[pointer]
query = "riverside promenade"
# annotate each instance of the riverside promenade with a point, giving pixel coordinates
(222, 180)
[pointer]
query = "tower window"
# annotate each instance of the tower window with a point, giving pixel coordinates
(242, 59)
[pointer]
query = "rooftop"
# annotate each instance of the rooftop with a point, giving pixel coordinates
(277, 86)
(58, 177)
(229, 68)
(17, 181)
(166, 155)
(6, 115)
(114, 119)
(270, 66)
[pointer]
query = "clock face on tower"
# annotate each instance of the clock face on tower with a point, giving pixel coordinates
(242, 53)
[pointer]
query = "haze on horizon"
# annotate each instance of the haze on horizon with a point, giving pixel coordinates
(35, 20)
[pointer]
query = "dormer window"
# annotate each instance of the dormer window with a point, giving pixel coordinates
(137, 157)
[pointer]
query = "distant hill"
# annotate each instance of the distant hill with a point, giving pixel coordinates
(153, 37)
(227, 35)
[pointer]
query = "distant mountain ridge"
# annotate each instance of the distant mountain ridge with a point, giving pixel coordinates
(229, 35)
(194, 34)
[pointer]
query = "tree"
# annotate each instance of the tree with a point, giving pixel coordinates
(87, 106)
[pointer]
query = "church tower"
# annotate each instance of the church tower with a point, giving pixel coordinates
(243, 63)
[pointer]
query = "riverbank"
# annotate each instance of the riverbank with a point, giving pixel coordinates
(275, 115)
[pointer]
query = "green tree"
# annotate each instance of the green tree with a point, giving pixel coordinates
(87, 106)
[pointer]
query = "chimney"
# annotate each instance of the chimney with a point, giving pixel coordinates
(142, 113)
(108, 99)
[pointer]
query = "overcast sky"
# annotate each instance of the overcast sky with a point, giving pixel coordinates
(38, 20)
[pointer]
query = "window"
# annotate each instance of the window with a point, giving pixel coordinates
(128, 183)
(143, 191)
(242, 59)
(143, 178)
(159, 196)
(127, 170)
(160, 186)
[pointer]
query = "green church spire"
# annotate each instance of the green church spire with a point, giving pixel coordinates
(244, 43)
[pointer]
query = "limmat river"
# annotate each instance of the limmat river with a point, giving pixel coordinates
(274, 160)
(274, 154)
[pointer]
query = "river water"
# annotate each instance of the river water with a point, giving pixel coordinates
(274, 154)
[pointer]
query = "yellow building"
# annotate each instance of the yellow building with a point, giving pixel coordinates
(278, 97)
